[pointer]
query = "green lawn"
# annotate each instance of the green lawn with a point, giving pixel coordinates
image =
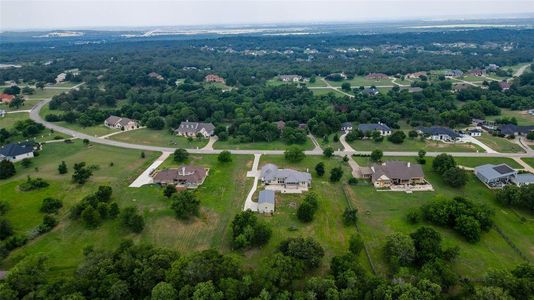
(523, 118)
(335, 145)
(10, 119)
(362, 81)
(274, 145)
(469, 162)
(163, 138)
(318, 83)
(499, 144)
(326, 91)
(414, 145)
(382, 213)
(529, 161)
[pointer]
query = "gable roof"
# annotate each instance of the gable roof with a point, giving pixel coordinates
(527, 178)
(16, 149)
(436, 130)
(510, 129)
(365, 127)
(189, 174)
(270, 172)
(266, 196)
(491, 172)
(194, 127)
(395, 169)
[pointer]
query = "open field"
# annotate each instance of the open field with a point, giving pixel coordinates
(414, 145)
(362, 81)
(523, 118)
(499, 144)
(382, 213)
(162, 138)
(469, 162)
(274, 145)
(529, 161)
(326, 91)
(9, 121)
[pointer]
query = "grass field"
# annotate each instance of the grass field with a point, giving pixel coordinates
(326, 91)
(523, 118)
(414, 145)
(274, 145)
(10, 119)
(163, 138)
(529, 161)
(469, 162)
(382, 213)
(499, 144)
(362, 81)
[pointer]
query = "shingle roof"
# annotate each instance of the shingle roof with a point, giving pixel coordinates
(510, 129)
(266, 196)
(492, 172)
(435, 130)
(271, 171)
(16, 149)
(373, 126)
(189, 174)
(527, 178)
(395, 169)
(194, 127)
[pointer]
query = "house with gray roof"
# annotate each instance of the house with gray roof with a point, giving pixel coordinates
(370, 127)
(523, 179)
(121, 123)
(17, 152)
(495, 176)
(346, 127)
(194, 128)
(285, 180)
(437, 133)
(266, 201)
(290, 78)
(512, 129)
(397, 173)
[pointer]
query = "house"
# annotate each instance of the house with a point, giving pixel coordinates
(194, 128)
(303, 126)
(2, 113)
(280, 125)
(476, 72)
(121, 123)
(370, 127)
(17, 152)
(184, 176)
(504, 85)
(531, 112)
(61, 77)
(495, 176)
(492, 67)
(454, 73)
(397, 173)
(6, 98)
(439, 133)
(377, 76)
(461, 86)
(266, 201)
(290, 78)
(370, 91)
(213, 78)
(474, 132)
(415, 75)
(512, 129)
(285, 180)
(155, 76)
(523, 179)
(346, 126)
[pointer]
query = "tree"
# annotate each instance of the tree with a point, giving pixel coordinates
(169, 190)
(350, 216)
(442, 163)
(6, 230)
(156, 123)
(455, 177)
(163, 291)
(397, 137)
(294, 154)
(530, 136)
(413, 134)
(247, 231)
(104, 193)
(40, 85)
(26, 163)
(421, 157)
(399, 250)
(51, 205)
(469, 227)
(180, 155)
(185, 204)
(336, 174)
(376, 155)
(427, 243)
(81, 173)
(27, 276)
(346, 86)
(305, 212)
(132, 220)
(306, 250)
(328, 152)
(91, 217)
(62, 168)
(7, 169)
(319, 168)
(225, 156)
(356, 244)
(17, 102)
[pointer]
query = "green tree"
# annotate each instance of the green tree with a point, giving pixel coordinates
(336, 174)
(6, 230)
(469, 227)
(397, 137)
(346, 86)
(319, 168)
(350, 216)
(51, 205)
(163, 291)
(306, 250)
(180, 155)
(62, 168)
(294, 154)
(225, 156)
(81, 173)
(91, 217)
(305, 212)
(455, 177)
(356, 244)
(7, 169)
(328, 152)
(442, 163)
(131, 219)
(185, 205)
(169, 190)
(26, 163)
(17, 102)
(399, 250)
(376, 155)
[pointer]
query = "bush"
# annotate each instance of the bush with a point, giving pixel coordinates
(185, 204)
(4, 207)
(328, 152)
(33, 184)
(169, 190)
(132, 220)
(397, 137)
(48, 224)
(376, 155)
(356, 244)
(350, 216)
(442, 163)
(319, 168)
(294, 154)
(6, 230)
(413, 217)
(336, 174)
(455, 177)
(225, 156)
(247, 231)
(26, 163)
(306, 250)
(91, 217)
(7, 169)
(308, 207)
(51, 205)
(353, 181)
(62, 168)
(180, 155)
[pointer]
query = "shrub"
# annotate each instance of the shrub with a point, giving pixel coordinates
(442, 163)
(33, 184)
(356, 244)
(132, 220)
(7, 169)
(48, 224)
(328, 152)
(350, 216)
(51, 205)
(397, 137)
(185, 204)
(307, 208)
(455, 177)
(62, 168)
(6, 230)
(294, 154)
(376, 155)
(413, 216)
(180, 155)
(247, 231)
(353, 181)
(225, 156)
(306, 250)
(319, 168)
(336, 174)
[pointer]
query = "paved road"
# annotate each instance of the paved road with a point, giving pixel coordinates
(34, 115)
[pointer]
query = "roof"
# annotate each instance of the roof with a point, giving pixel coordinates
(370, 91)
(436, 130)
(266, 196)
(189, 174)
(346, 124)
(474, 130)
(510, 129)
(491, 172)
(16, 149)
(113, 120)
(6, 97)
(526, 178)
(194, 127)
(270, 172)
(395, 169)
(373, 126)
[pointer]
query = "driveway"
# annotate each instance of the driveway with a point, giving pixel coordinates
(472, 140)
(249, 204)
(145, 178)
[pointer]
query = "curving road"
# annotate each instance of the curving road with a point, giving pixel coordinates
(34, 115)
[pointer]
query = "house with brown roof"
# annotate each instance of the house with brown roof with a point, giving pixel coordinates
(415, 75)
(121, 123)
(397, 174)
(189, 177)
(213, 78)
(504, 85)
(6, 98)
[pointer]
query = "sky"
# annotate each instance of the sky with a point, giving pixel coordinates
(45, 14)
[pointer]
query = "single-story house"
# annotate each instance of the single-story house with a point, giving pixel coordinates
(504, 85)
(193, 128)
(370, 127)
(280, 125)
(523, 179)
(415, 75)
(17, 152)
(121, 123)
(512, 129)
(495, 175)
(266, 201)
(6, 98)
(346, 126)
(437, 133)
(474, 132)
(213, 78)
(184, 176)
(155, 76)
(370, 91)
(454, 73)
(284, 179)
(290, 78)
(395, 173)
(477, 72)
(377, 76)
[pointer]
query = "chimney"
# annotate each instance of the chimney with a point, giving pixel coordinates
(409, 164)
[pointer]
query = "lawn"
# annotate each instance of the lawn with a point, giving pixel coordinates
(274, 145)
(10, 119)
(162, 138)
(414, 145)
(499, 144)
(362, 81)
(326, 91)
(529, 161)
(327, 227)
(382, 213)
(523, 118)
(335, 145)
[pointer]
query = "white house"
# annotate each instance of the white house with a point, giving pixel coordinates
(474, 132)
(380, 127)
(16, 152)
(436, 133)
(121, 123)
(266, 201)
(285, 180)
(346, 126)
(193, 128)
